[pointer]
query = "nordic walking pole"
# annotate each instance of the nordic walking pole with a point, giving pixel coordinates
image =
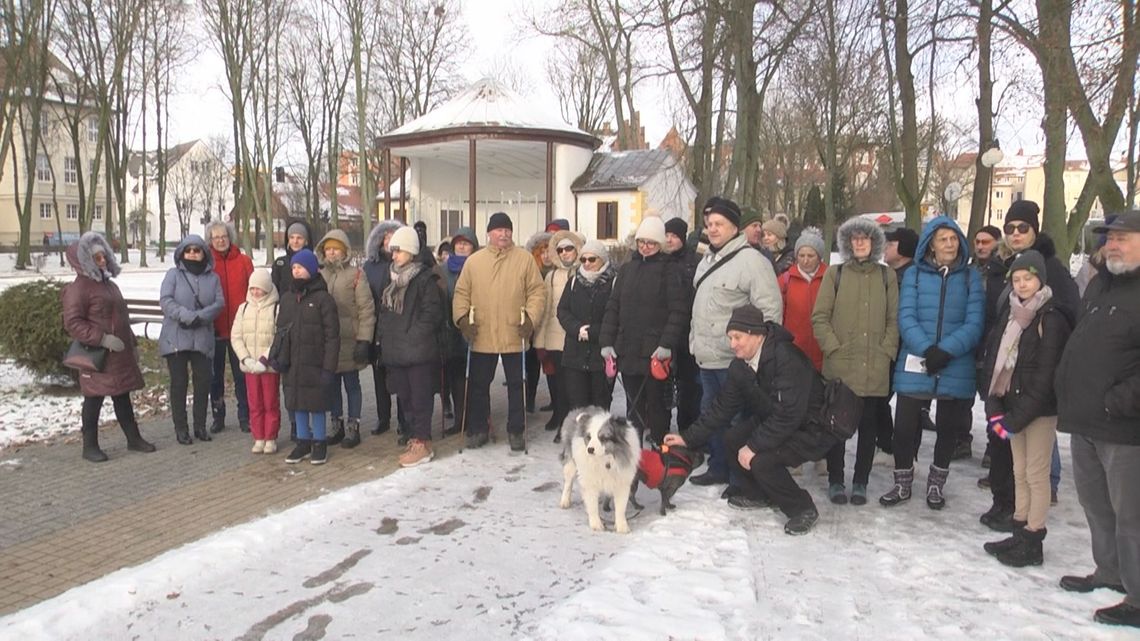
(522, 360)
(466, 383)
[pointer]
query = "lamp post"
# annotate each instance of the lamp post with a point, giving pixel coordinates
(990, 158)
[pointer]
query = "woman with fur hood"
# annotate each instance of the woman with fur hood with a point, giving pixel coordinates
(855, 321)
(549, 337)
(191, 298)
(95, 314)
(539, 246)
(357, 314)
(251, 338)
(377, 271)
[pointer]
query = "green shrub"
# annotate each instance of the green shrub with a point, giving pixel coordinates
(31, 327)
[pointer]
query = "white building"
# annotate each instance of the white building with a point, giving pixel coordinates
(199, 188)
(618, 187)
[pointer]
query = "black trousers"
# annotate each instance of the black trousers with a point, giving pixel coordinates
(479, 392)
(413, 388)
(864, 446)
(557, 385)
(533, 374)
(384, 398)
(584, 388)
(768, 476)
(645, 395)
(687, 378)
(947, 422)
(124, 411)
(181, 365)
(456, 371)
(1001, 472)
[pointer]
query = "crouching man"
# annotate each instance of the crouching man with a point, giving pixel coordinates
(773, 384)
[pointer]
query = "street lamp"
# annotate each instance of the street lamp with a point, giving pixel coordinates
(989, 159)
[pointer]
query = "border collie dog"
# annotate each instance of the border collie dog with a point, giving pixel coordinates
(603, 451)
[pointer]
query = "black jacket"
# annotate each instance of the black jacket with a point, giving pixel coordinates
(584, 303)
(648, 308)
(412, 338)
(784, 398)
(309, 312)
(282, 272)
(1098, 380)
(993, 273)
(1030, 394)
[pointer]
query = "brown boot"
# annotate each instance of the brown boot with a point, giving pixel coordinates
(418, 452)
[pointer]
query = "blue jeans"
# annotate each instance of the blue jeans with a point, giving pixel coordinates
(310, 425)
(222, 352)
(711, 382)
(351, 381)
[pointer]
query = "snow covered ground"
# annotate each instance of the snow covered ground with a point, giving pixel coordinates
(474, 546)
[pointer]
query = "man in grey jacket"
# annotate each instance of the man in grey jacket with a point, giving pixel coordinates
(731, 274)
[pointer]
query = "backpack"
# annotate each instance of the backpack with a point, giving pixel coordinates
(839, 274)
(842, 409)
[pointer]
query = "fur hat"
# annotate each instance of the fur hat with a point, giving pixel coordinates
(678, 227)
(651, 228)
(1032, 260)
(724, 207)
(1025, 211)
(748, 319)
(307, 259)
(811, 237)
(907, 239)
(499, 220)
(405, 239)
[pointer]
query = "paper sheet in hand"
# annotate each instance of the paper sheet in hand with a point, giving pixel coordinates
(915, 364)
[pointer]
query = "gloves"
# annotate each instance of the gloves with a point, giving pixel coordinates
(327, 377)
(270, 363)
(608, 353)
(197, 322)
(250, 365)
(584, 333)
(936, 359)
(112, 342)
(996, 425)
(468, 330)
(527, 328)
(662, 353)
(360, 352)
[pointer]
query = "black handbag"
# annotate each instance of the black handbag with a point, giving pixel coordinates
(85, 358)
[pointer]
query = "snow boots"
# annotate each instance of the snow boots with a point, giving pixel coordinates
(935, 480)
(351, 433)
(91, 451)
(336, 434)
(135, 441)
(1019, 550)
(904, 479)
(320, 453)
(302, 451)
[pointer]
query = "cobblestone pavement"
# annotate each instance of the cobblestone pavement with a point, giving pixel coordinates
(67, 521)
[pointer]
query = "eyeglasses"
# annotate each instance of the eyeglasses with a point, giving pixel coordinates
(643, 242)
(567, 248)
(193, 250)
(1021, 228)
(589, 260)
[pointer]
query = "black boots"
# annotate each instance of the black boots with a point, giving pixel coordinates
(183, 435)
(336, 431)
(904, 480)
(320, 453)
(351, 433)
(999, 518)
(201, 434)
(91, 451)
(801, 523)
(302, 451)
(1020, 550)
(135, 441)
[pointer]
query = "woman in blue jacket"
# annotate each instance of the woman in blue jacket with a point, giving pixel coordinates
(941, 314)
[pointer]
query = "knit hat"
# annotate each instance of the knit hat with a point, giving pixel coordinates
(261, 279)
(307, 259)
(811, 237)
(651, 228)
(776, 227)
(724, 207)
(465, 233)
(332, 243)
(1025, 211)
(678, 227)
(499, 220)
(597, 248)
(558, 224)
(405, 239)
(991, 230)
(907, 239)
(420, 225)
(299, 229)
(748, 319)
(1032, 260)
(748, 216)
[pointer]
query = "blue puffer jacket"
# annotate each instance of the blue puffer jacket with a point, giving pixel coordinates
(190, 303)
(943, 307)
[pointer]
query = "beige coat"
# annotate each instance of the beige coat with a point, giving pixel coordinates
(354, 305)
(254, 325)
(499, 284)
(550, 335)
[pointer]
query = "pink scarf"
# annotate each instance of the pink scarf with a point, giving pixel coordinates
(1021, 314)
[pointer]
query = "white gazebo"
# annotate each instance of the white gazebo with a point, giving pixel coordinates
(487, 150)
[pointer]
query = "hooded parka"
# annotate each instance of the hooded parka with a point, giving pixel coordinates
(354, 305)
(190, 303)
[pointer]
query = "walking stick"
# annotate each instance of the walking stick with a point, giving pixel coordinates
(466, 383)
(522, 360)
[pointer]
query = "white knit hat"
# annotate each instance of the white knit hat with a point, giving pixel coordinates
(405, 239)
(651, 228)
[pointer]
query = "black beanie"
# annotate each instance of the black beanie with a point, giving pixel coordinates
(1031, 260)
(1025, 211)
(724, 207)
(678, 227)
(499, 220)
(991, 230)
(907, 239)
(748, 319)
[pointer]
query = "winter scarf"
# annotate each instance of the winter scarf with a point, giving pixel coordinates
(196, 267)
(393, 296)
(1021, 314)
(455, 263)
(590, 277)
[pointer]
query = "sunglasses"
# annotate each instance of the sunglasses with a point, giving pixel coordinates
(568, 248)
(1021, 228)
(193, 250)
(589, 260)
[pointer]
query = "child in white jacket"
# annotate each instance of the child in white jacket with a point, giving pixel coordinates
(251, 338)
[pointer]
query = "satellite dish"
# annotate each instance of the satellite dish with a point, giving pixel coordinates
(953, 192)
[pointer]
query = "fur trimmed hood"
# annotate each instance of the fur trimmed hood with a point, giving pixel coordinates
(865, 226)
(538, 239)
(81, 257)
(552, 247)
(376, 239)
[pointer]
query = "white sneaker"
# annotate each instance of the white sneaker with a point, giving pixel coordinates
(258, 447)
(270, 447)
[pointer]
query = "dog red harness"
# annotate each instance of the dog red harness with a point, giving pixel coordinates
(655, 466)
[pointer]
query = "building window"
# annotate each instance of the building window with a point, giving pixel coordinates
(999, 194)
(1017, 195)
(400, 215)
(98, 212)
(450, 220)
(43, 168)
(70, 170)
(607, 220)
(45, 211)
(73, 212)
(999, 214)
(92, 130)
(91, 170)
(44, 121)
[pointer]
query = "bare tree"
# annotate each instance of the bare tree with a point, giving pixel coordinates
(578, 76)
(363, 20)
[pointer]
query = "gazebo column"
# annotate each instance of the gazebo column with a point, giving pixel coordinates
(403, 192)
(386, 158)
(549, 182)
(471, 183)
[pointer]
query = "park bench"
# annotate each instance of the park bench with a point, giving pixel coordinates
(144, 311)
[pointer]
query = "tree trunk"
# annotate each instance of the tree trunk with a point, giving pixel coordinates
(983, 176)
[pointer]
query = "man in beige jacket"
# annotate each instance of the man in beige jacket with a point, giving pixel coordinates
(498, 299)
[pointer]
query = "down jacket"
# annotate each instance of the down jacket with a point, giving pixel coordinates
(584, 303)
(799, 294)
(188, 298)
(646, 310)
(550, 335)
(499, 284)
(378, 264)
(310, 331)
(413, 337)
(943, 307)
(233, 269)
(93, 306)
(856, 319)
(747, 278)
(255, 324)
(354, 305)
(783, 398)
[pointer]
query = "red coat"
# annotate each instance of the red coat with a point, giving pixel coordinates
(799, 299)
(233, 269)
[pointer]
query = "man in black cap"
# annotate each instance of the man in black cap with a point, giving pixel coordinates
(899, 252)
(688, 375)
(1098, 403)
(775, 388)
(499, 296)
